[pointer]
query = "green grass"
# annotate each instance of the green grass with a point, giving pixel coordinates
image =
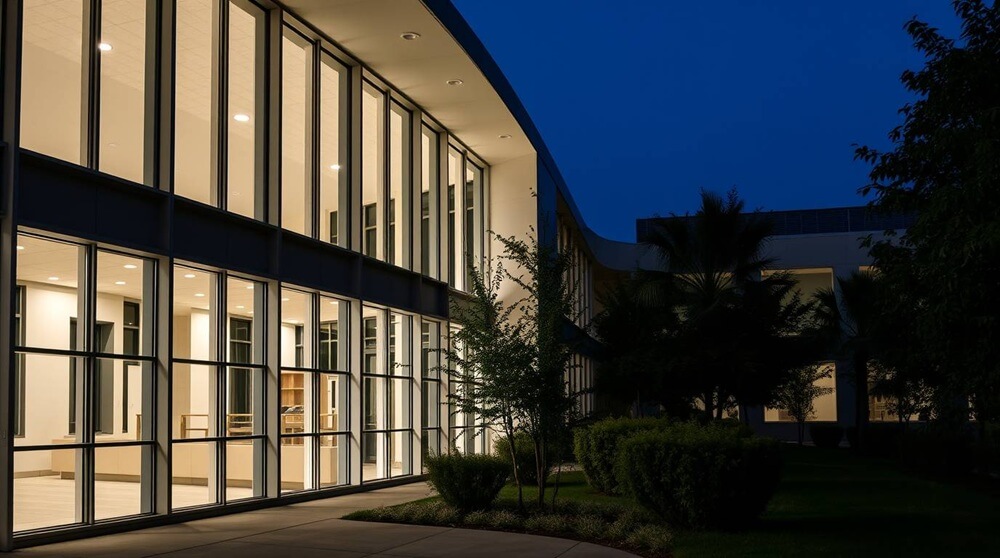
(831, 503)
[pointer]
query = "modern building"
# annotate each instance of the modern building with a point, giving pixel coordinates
(231, 232)
(818, 246)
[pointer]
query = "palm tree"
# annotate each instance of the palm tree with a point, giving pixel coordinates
(847, 322)
(732, 313)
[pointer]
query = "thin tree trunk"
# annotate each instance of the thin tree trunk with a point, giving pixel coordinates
(517, 475)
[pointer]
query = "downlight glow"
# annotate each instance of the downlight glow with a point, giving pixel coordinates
(105, 47)
(410, 36)
(242, 117)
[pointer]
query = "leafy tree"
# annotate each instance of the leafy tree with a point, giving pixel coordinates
(547, 407)
(797, 396)
(944, 167)
(489, 360)
(736, 340)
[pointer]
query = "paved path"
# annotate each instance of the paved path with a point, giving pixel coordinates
(313, 529)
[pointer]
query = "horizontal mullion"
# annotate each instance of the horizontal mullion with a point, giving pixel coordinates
(387, 431)
(313, 370)
(217, 363)
(84, 445)
(395, 376)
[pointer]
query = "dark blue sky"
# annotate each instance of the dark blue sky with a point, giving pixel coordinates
(643, 102)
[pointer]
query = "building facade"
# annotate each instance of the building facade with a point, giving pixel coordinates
(818, 247)
(231, 232)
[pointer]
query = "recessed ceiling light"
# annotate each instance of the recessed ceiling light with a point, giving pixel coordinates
(333, 302)
(119, 282)
(284, 299)
(410, 36)
(19, 247)
(53, 278)
(189, 275)
(130, 266)
(242, 117)
(334, 167)
(454, 82)
(199, 295)
(105, 47)
(241, 307)
(250, 287)
(504, 136)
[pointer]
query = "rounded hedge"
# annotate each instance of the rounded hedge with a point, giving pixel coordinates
(596, 448)
(700, 476)
(467, 482)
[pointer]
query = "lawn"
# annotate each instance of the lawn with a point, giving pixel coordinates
(831, 503)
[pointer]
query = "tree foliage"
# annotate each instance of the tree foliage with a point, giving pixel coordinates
(798, 394)
(944, 167)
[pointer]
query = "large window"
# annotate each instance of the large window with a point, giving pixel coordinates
(430, 203)
(373, 172)
(217, 387)
(466, 433)
(296, 132)
(432, 396)
(218, 103)
(400, 187)
(315, 385)
(86, 343)
(387, 384)
(333, 172)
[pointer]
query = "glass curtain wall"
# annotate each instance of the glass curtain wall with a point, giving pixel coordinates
(465, 433)
(387, 384)
(85, 354)
(373, 214)
(432, 397)
(333, 152)
(314, 391)
(217, 384)
(218, 100)
(398, 233)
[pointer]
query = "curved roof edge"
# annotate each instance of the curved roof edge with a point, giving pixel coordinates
(612, 254)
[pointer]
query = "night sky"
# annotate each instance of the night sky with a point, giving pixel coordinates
(644, 102)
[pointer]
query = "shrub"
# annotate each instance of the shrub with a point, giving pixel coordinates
(524, 453)
(467, 482)
(937, 450)
(826, 435)
(596, 448)
(700, 476)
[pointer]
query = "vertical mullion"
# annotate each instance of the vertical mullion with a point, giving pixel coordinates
(165, 68)
(266, 22)
(313, 145)
(151, 126)
(222, 389)
(220, 102)
(87, 323)
(91, 71)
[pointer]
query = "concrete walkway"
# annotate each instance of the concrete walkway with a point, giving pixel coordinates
(313, 529)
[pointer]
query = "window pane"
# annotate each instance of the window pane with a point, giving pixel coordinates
(473, 237)
(195, 389)
(120, 388)
(49, 272)
(47, 492)
(242, 480)
(398, 230)
(245, 34)
(296, 336)
(244, 390)
(53, 400)
(401, 454)
(194, 477)
(374, 449)
(52, 78)
(123, 282)
(372, 171)
(122, 50)
(431, 404)
(297, 463)
(296, 83)
(430, 349)
(333, 347)
(333, 402)
(196, 328)
(296, 405)
(398, 404)
(399, 344)
(193, 84)
(122, 481)
(333, 173)
(244, 303)
(455, 217)
(429, 203)
(333, 463)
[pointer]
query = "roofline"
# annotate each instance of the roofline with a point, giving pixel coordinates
(453, 21)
